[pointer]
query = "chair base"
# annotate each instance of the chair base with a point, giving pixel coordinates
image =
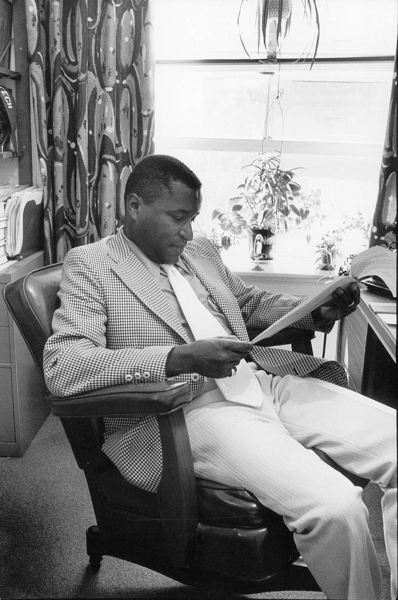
(293, 577)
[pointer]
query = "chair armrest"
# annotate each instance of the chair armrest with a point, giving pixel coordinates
(176, 494)
(129, 399)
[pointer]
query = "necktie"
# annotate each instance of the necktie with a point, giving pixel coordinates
(243, 387)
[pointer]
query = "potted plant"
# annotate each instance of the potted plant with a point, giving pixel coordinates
(328, 250)
(353, 231)
(268, 202)
(273, 19)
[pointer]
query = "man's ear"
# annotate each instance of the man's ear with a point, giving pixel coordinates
(133, 204)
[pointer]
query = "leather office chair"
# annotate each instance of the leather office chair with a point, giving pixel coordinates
(195, 531)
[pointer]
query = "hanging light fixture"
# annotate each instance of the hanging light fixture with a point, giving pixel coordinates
(276, 20)
(273, 19)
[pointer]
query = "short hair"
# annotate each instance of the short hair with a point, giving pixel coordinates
(154, 173)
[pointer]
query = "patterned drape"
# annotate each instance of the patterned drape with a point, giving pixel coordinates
(384, 227)
(91, 71)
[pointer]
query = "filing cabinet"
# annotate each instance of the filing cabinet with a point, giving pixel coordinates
(23, 407)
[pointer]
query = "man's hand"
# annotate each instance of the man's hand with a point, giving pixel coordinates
(343, 303)
(211, 357)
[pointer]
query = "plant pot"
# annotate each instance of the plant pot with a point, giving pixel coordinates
(327, 265)
(261, 243)
(327, 260)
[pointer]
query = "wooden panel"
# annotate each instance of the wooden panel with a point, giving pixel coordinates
(364, 350)
(351, 347)
(5, 356)
(358, 327)
(23, 407)
(30, 404)
(380, 380)
(3, 309)
(7, 425)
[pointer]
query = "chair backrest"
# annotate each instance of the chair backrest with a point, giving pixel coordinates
(32, 300)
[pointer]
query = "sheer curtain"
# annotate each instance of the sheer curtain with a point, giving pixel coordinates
(91, 68)
(385, 216)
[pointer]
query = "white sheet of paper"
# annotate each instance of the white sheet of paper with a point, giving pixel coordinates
(376, 261)
(306, 307)
(388, 318)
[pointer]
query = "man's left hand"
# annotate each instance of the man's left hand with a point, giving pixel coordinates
(343, 303)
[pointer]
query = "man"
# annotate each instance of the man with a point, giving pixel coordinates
(121, 320)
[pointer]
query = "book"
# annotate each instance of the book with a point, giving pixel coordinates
(376, 267)
(306, 307)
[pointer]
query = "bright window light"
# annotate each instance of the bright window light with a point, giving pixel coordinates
(216, 110)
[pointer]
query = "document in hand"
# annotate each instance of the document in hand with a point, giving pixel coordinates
(305, 308)
(377, 262)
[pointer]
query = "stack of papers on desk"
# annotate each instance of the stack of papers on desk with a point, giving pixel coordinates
(386, 311)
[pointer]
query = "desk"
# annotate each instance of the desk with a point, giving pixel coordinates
(366, 346)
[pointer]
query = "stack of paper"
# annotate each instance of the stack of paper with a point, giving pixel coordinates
(3, 224)
(22, 216)
(6, 191)
(386, 311)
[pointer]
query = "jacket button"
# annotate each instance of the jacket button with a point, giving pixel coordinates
(195, 377)
(146, 375)
(128, 378)
(137, 376)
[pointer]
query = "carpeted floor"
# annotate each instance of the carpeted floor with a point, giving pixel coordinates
(45, 510)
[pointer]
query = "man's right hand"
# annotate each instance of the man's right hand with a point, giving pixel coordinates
(211, 357)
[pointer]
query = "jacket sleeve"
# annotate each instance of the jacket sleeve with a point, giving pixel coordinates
(77, 357)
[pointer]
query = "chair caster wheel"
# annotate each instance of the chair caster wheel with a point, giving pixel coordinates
(95, 563)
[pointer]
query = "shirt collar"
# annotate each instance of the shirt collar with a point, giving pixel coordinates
(152, 267)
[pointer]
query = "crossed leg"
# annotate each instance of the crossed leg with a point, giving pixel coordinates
(267, 450)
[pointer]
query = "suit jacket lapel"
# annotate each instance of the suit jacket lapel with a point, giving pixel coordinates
(141, 283)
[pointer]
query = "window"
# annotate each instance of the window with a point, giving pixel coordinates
(216, 109)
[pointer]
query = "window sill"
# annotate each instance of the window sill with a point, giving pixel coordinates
(279, 267)
(297, 275)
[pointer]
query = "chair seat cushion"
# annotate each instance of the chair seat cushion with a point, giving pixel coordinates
(226, 506)
(218, 504)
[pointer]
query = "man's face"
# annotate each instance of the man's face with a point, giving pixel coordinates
(162, 229)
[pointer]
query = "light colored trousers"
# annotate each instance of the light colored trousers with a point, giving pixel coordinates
(266, 450)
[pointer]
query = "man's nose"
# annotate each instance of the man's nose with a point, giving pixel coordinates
(187, 232)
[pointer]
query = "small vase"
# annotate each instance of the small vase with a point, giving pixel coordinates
(261, 243)
(327, 262)
(327, 265)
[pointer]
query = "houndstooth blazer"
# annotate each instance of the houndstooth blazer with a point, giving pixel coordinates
(115, 326)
